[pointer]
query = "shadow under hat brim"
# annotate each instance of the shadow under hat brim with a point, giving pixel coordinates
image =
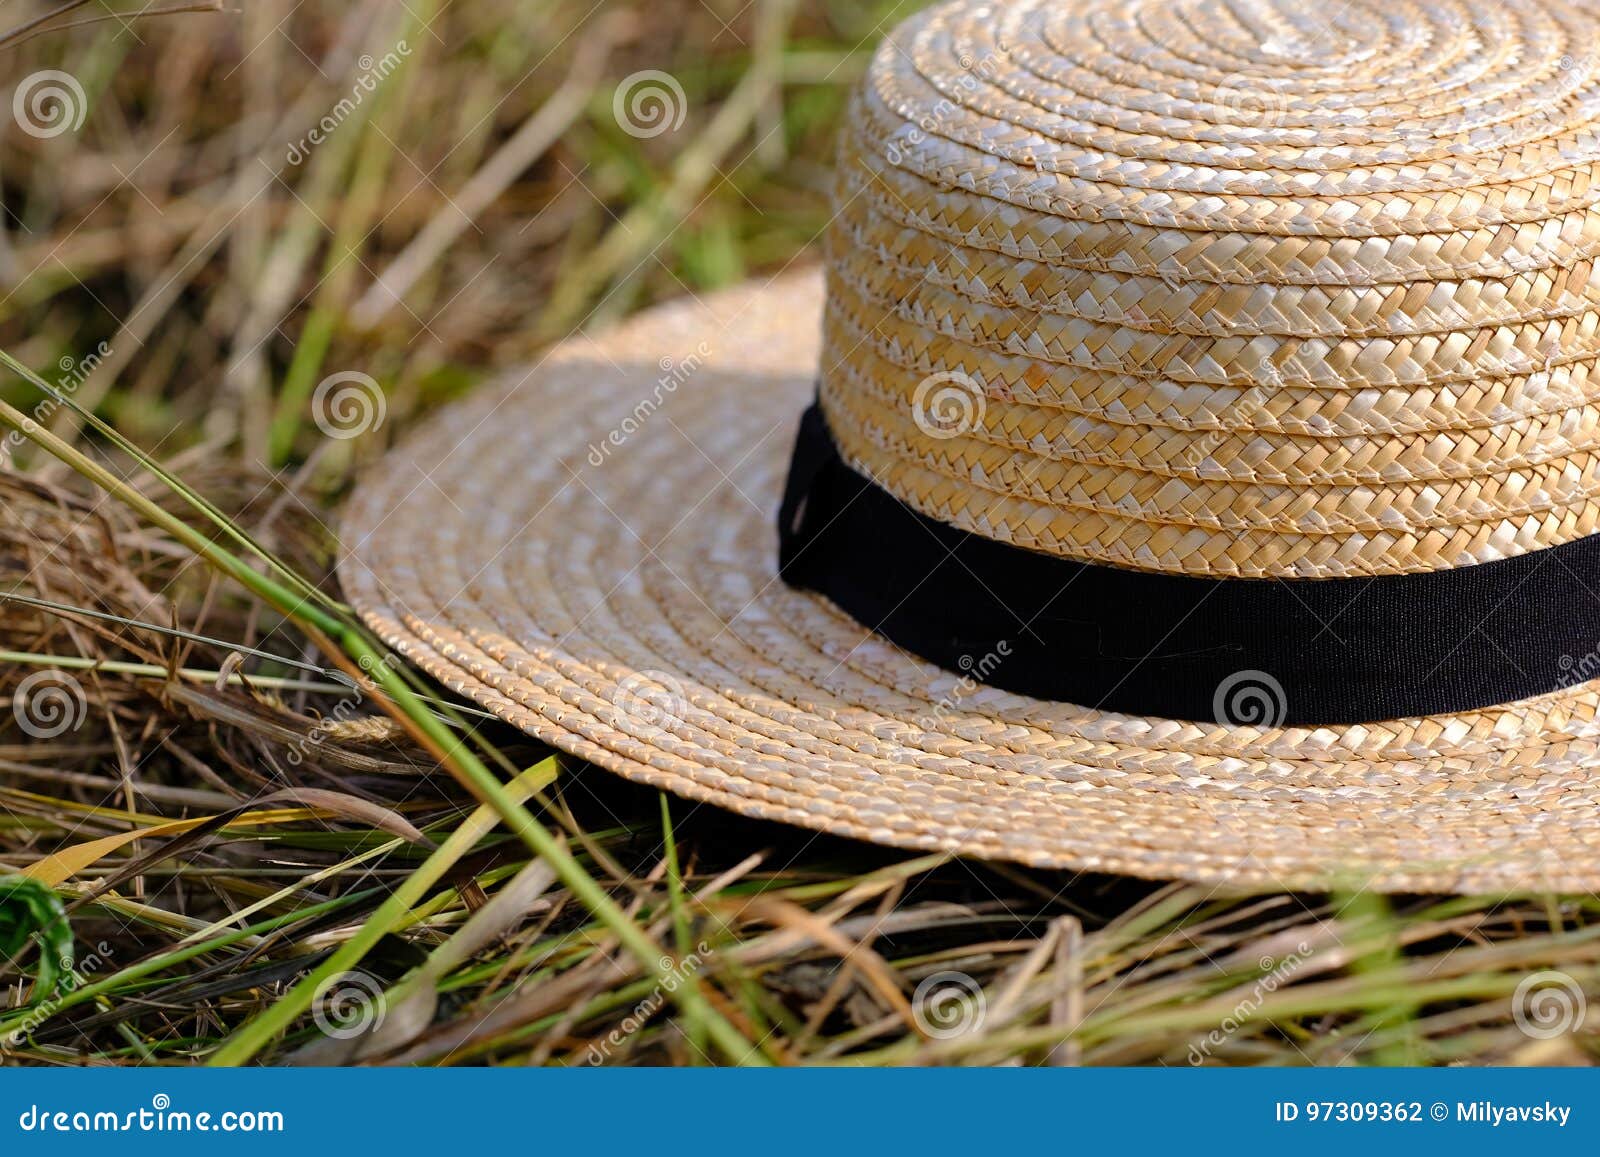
(588, 550)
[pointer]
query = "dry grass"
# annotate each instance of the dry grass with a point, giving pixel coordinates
(343, 860)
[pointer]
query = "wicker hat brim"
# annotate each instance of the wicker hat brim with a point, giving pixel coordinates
(588, 551)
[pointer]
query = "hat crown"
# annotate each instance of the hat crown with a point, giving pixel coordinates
(1240, 289)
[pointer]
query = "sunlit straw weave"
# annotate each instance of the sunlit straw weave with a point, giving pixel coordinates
(1188, 286)
(1325, 284)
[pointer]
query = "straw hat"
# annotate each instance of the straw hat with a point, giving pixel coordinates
(1201, 483)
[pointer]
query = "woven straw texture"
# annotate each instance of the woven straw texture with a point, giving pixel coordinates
(588, 550)
(1248, 288)
(1241, 289)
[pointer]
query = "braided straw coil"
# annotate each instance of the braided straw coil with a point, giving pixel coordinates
(1223, 288)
